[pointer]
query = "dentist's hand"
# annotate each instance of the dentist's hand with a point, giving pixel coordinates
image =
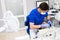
(46, 25)
(50, 23)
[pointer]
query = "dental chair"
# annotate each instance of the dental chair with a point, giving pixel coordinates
(2, 26)
(11, 21)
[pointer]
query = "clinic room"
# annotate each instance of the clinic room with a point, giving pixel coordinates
(29, 19)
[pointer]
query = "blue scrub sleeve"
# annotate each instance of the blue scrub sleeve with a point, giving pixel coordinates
(31, 18)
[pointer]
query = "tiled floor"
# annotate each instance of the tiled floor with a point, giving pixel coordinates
(12, 35)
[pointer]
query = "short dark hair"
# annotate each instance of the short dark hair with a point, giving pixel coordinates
(44, 6)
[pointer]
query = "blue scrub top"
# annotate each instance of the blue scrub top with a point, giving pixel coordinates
(35, 17)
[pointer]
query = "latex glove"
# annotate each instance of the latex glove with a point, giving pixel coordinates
(45, 25)
(49, 22)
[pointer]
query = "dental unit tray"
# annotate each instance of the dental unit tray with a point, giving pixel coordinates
(46, 33)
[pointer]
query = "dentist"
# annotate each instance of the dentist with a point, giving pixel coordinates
(35, 19)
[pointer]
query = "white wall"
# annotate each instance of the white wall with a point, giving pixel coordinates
(31, 4)
(1, 11)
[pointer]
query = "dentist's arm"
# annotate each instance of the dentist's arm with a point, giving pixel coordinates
(48, 17)
(49, 21)
(32, 26)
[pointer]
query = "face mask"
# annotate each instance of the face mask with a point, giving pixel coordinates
(43, 13)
